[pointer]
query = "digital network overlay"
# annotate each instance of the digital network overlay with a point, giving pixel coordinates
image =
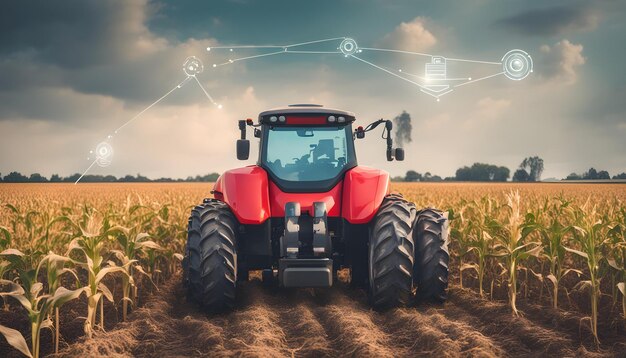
(434, 81)
(515, 64)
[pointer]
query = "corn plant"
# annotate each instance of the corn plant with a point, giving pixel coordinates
(94, 234)
(511, 244)
(56, 266)
(588, 234)
(459, 227)
(38, 305)
(551, 224)
(616, 257)
(5, 238)
(480, 241)
(131, 247)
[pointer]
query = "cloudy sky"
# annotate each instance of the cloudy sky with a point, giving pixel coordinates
(73, 71)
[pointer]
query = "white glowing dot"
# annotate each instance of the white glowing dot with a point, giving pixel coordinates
(91, 152)
(231, 50)
(214, 65)
(219, 106)
(437, 99)
(470, 78)
(231, 61)
(208, 49)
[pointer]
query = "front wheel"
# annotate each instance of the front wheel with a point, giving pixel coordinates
(210, 264)
(391, 253)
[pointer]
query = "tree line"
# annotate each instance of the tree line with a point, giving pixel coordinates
(529, 170)
(16, 177)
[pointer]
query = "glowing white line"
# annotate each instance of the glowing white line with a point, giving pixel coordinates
(296, 51)
(243, 46)
(203, 90)
(410, 74)
(427, 54)
(136, 116)
(155, 102)
(316, 41)
(428, 93)
(389, 72)
(475, 61)
(437, 95)
(479, 79)
(248, 58)
(397, 51)
(274, 46)
(79, 178)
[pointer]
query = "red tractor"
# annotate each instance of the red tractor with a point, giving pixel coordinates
(306, 210)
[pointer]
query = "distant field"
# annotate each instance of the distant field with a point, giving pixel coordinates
(478, 319)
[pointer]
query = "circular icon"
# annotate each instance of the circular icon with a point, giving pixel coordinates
(104, 153)
(192, 66)
(348, 47)
(517, 64)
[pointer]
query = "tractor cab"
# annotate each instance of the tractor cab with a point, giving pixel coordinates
(307, 147)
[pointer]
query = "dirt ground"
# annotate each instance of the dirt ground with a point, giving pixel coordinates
(338, 322)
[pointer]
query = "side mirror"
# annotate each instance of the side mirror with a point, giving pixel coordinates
(399, 154)
(243, 149)
(360, 133)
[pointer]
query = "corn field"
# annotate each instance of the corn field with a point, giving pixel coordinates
(76, 261)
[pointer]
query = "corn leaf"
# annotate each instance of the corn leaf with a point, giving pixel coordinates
(579, 253)
(15, 339)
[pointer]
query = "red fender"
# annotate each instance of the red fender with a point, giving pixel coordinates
(364, 189)
(253, 198)
(245, 190)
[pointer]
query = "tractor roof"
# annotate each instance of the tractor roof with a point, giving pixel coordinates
(305, 109)
(306, 114)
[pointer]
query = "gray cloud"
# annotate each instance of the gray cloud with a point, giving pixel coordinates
(560, 61)
(410, 36)
(553, 21)
(76, 33)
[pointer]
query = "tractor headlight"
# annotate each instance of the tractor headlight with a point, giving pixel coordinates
(332, 119)
(341, 119)
(282, 119)
(273, 119)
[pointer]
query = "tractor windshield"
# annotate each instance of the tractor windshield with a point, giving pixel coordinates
(308, 154)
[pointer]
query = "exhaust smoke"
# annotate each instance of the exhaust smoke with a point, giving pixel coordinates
(403, 126)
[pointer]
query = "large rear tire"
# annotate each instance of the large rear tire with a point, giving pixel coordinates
(431, 255)
(210, 265)
(391, 253)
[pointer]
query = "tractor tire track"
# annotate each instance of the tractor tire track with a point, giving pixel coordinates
(495, 319)
(270, 322)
